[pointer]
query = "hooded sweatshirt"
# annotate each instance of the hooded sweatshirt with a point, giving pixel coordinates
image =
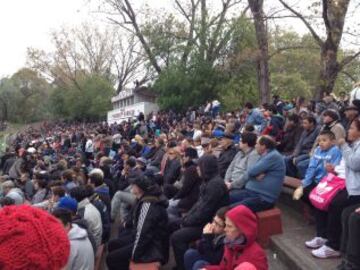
(81, 251)
(249, 251)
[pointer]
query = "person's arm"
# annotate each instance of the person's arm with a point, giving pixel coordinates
(352, 159)
(243, 178)
(230, 169)
(261, 166)
(310, 172)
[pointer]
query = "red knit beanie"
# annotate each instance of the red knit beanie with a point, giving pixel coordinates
(31, 239)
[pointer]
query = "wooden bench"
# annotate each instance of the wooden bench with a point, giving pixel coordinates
(289, 186)
(145, 266)
(99, 255)
(269, 223)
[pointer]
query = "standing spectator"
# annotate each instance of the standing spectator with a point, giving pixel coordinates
(292, 134)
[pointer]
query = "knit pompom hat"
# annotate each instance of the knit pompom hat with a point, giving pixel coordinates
(31, 239)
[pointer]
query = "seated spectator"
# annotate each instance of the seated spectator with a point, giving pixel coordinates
(228, 152)
(123, 198)
(96, 180)
(213, 195)
(68, 180)
(292, 134)
(351, 112)
(275, 124)
(57, 192)
(42, 192)
(88, 211)
(331, 220)
(265, 178)
(148, 240)
(331, 122)
(38, 240)
(350, 238)
(172, 171)
(81, 251)
(327, 153)
(156, 159)
(240, 241)
(254, 117)
(236, 175)
(9, 190)
(297, 162)
(210, 248)
(187, 191)
(26, 185)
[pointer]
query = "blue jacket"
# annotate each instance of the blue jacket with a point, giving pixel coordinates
(256, 118)
(273, 166)
(316, 170)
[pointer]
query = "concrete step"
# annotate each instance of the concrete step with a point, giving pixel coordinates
(289, 247)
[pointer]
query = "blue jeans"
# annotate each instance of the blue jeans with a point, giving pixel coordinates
(250, 199)
(300, 167)
(193, 260)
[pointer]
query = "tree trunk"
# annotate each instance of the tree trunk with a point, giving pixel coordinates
(329, 70)
(263, 74)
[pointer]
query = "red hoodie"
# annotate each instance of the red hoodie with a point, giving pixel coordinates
(251, 251)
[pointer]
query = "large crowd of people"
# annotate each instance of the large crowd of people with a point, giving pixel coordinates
(191, 183)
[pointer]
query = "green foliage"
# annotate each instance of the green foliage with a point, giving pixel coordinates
(89, 99)
(24, 97)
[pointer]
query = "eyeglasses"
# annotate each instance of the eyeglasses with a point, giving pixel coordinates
(218, 223)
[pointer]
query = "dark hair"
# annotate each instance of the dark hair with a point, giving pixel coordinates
(294, 118)
(271, 108)
(41, 183)
(89, 190)
(96, 179)
(328, 133)
(59, 191)
(310, 119)
(222, 212)
(131, 162)
(249, 105)
(249, 128)
(268, 142)
(249, 138)
(331, 113)
(64, 215)
(7, 201)
(171, 144)
(78, 193)
(68, 175)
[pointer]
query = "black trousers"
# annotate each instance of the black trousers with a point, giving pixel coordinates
(180, 241)
(350, 240)
(120, 251)
(329, 223)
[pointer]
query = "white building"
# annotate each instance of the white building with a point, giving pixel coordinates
(130, 103)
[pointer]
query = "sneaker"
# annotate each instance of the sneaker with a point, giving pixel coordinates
(316, 242)
(325, 252)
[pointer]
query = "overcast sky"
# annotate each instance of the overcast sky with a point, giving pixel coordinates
(28, 23)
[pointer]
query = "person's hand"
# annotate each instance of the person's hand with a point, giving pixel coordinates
(341, 141)
(357, 210)
(228, 185)
(329, 167)
(298, 193)
(208, 229)
(260, 176)
(294, 161)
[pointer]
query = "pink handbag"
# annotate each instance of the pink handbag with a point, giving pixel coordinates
(322, 195)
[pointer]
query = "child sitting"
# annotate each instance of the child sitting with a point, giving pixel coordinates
(210, 249)
(326, 155)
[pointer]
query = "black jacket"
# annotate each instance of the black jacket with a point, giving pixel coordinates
(211, 247)
(189, 192)
(306, 142)
(225, 159)
(149, 225)
(290, 139)
(172, 171)
(157, 158)
(213, 194)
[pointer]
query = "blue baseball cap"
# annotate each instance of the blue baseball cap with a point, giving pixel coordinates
(69, 203)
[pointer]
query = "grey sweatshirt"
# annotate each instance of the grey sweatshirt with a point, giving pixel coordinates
(351, 155)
